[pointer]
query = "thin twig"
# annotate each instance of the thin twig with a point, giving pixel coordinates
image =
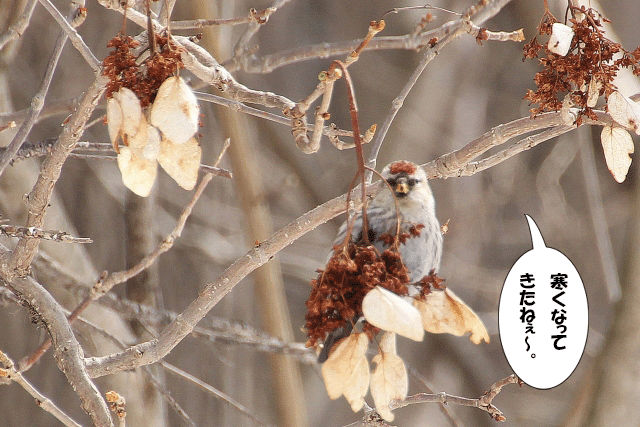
(210, 389)
(56, 236)
(242, 45)
(484, 402)
(105, 284)
(459, 27)
(260, 16)
(18, 28)
(10, 373)
(36, 105)
(43, 148)
(69, 30)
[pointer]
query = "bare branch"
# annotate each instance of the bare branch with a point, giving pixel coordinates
(67, 350)
(56, 236)
(259, 16)
(36, 105)
(206, 68)
(484, 402)
(10, 373)
(460, 162)
(18, 27)
(481, 12)
(77, 18)
(106, 283)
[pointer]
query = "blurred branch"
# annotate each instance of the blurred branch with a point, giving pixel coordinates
(106, 283)
(458, 27)
(212, 390)
(51, 109)
(11, 374)
(36, 104)
(19, 26)
(85, 149)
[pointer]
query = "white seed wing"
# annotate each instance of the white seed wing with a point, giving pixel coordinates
(388, 311)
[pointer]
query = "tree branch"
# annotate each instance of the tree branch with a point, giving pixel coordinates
(10, 373)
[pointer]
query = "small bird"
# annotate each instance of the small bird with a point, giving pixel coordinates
(416, 206)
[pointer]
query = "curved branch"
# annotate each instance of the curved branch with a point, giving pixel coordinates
(448, 165)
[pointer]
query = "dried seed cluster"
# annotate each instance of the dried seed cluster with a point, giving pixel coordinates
(589, 63)
(351, 272)
(143, 79)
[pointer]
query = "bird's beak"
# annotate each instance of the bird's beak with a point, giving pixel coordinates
(402, 187)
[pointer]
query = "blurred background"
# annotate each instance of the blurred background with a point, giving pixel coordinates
(563, 184)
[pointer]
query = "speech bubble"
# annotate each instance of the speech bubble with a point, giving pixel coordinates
(543, 316)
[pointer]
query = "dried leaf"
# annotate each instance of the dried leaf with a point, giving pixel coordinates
(389, 380)
(388, 311)
(346, 371)
(624, 111)
(181, 161)
(175, 110)
(443, 312)
(139, 172)
(560, 40)
(617, 145)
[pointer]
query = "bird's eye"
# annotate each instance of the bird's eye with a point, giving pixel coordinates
(413, 181)
(392, 182)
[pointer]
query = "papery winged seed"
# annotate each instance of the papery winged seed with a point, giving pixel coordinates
(131, 111)
(175, 110)
(181, 161)
(152, 147)
(624, 111)
(346, 371)
(138, 174)
(114, 120)
(389, 380)
(617, 145)
(390, 312)
(443, 312)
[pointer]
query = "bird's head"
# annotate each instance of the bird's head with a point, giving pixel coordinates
(408, 180)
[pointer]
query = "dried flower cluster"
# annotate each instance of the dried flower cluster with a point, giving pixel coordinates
(361, 283)
(586, 70)
(143, 79)
(155, 114)
(352, 271)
